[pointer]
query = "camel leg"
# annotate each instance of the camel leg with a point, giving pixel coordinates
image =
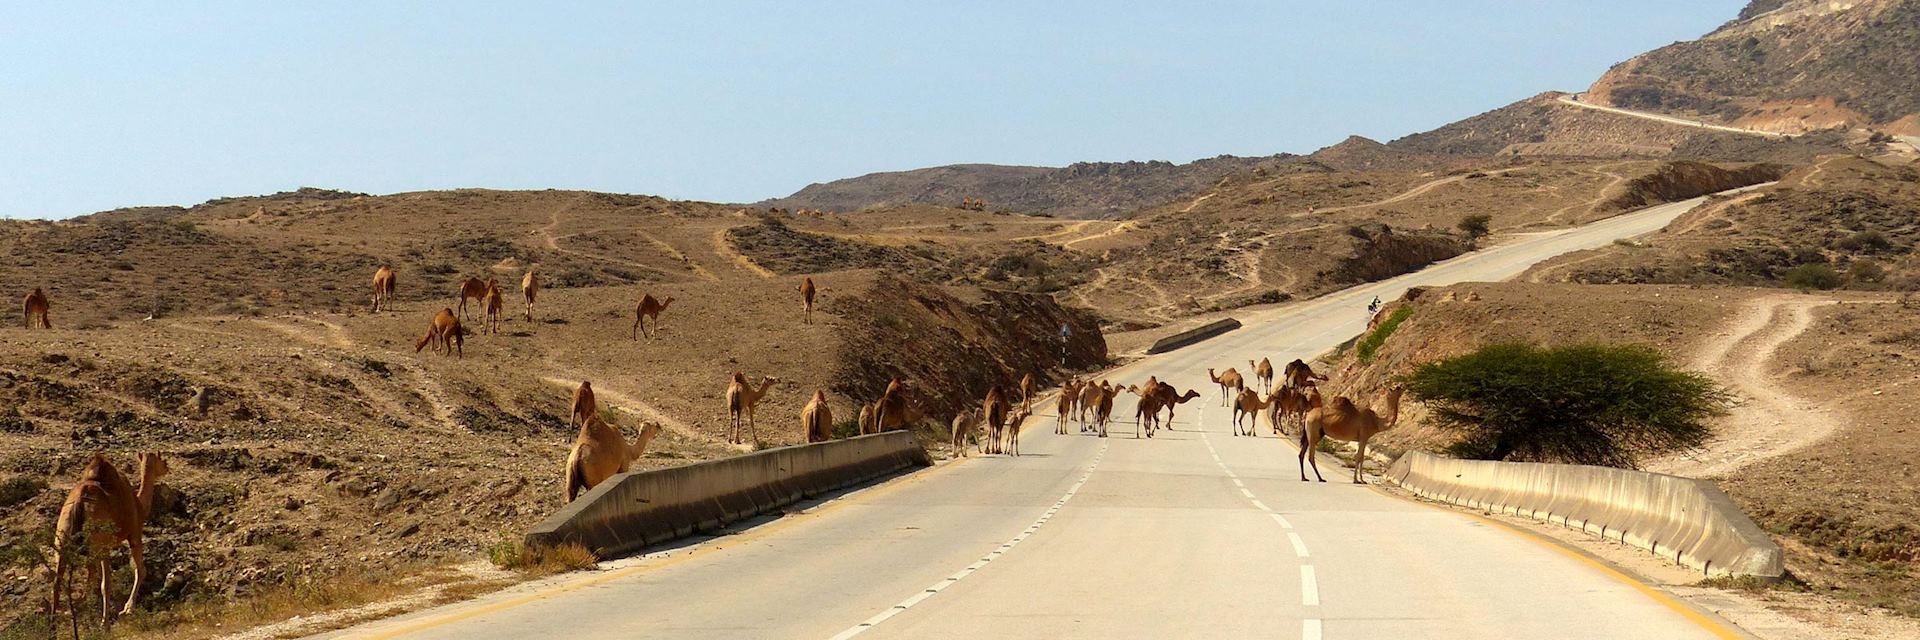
(106, 588)
(139, 566)
(750, 428)
(636, 328)
(1360, 464)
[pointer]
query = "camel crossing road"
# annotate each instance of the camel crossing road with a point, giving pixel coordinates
(1194, 533)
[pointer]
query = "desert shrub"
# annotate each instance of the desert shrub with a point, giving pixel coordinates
(1596, 404)
(847, 428)
(1370, 345)
(1476, 225)
(1866, 271)
(512, 552)
(1812, 276)
(1868, 241)
(16, 490)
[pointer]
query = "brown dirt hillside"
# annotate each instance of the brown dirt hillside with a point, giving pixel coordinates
(1853, 215)
(1542, 125)
(332, 453)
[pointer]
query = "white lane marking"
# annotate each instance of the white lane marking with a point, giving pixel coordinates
(1309, 588)
(1261, 506)
(1245, 492)
(1299, 546)
(1282, 520)
(1236, 482)
(977, 565)
(1310, 629)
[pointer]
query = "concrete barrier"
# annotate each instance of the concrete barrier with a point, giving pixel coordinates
(637, 509)
(1193, 335)
(1689, 521)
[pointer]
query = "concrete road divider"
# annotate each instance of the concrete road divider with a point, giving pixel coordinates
(633, 510)
(1689, 521)
(1193, 335)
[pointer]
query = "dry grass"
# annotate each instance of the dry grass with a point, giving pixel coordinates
(512, 552)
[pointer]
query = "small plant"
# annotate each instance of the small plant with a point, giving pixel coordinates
(513, 552)
(1476, 225)
(1866, 271)
(847, 428)
(1812, 276)
(1370, 345)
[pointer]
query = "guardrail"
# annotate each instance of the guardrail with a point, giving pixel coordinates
(1687, 520)
(1193, 335)
(637, 509)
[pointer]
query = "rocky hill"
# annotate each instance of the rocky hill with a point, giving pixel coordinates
(1543, 125)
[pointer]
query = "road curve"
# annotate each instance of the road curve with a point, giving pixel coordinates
(1194, 533)
(1574, 99)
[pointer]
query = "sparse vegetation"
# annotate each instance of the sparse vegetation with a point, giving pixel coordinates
(1812, 276)
(1476, 225)
(1370, 345)
(512, 552)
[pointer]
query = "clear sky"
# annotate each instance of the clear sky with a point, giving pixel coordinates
(120, 104)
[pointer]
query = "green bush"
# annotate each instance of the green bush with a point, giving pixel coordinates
(1476, 225)
(1371, 344)
(1812, 276)
(1864, 270)
(1583, 404)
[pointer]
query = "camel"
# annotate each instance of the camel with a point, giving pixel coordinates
(1063, 406)
(445, 333)
(1297, 374)
(649, 307)
(1263, 372)
(1089, 396)
(383, 281)
(1103, 407)
(1026, 392)
(806, 299)
(1250, 405)
(1171, 399)
(1230, 383)
(472, 288)
(994, 409)
(495, 304)
(1146, 414)
(962, 425)
(36, 304)
(530, 287)
(1015, 419)
(601, 452)
(866, 420)
(1287, 402)
(894, 410)
(816, 419)
(103, 496)
(1341, 420)
(741, 397)
(583, 405)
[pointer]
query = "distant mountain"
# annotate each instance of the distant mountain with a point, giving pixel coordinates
(1079, 190)
(1786, 65)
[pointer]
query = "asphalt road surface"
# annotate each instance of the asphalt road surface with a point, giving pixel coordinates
(1193, 533)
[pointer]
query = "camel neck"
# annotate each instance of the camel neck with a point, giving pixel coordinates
(143, 495)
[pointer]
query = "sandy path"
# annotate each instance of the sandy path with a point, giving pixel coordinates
(1116, 230)
(1768, 420)
(725, 250)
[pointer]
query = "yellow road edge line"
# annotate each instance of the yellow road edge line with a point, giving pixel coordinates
(699, 550)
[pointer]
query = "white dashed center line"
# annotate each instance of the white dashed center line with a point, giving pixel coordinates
(1309, 585)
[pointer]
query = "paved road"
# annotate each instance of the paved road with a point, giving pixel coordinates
(1195, 533)
(1574, 100)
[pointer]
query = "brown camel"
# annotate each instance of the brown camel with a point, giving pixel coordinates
(36, 304)
(994, 409)
(1026, 392)
(601, 452)
(816, 419)
(495, 304)
(530, 288)
(1230, 383)
(1089, 396)
(445, 333)
(649, 308)
(103, 496)
(383, 282)
(1298, 375)
(1288, 403)
(1103, 406)
(1263, 372)
(1015, 419)
(1341, 420)
(473, 288)
(806, 299)
(895, 410)
(1146, 414)
(1250, 405)
(1063, 405)
(962, 427)
(1172, 399)
(583, 405)
(866, 420)
(741, 397)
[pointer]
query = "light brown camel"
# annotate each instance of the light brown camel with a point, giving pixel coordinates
(866, 420)
(495, 304)
(1262, 372)
(895, 410)
(583, 405)
(994, 409)
(1103, 406)
(445, 333)
(1230, 383)
(1288, 403)
(1249, 404)
(530, 288)
(816, 419)
(601, 452)
(103, 496)
(1146, 414)
(473, 288)
(1089, 396)
(1172, 399)
(1341, 420)
(962, 427)
(1015, 419)
(1026, 392)
(806, 299)
(741, 397)
(1063, 405)
(36, 304)
(1298, 375)
(649, 308)
(383, 281)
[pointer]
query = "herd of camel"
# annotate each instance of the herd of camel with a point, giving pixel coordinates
(117, 509)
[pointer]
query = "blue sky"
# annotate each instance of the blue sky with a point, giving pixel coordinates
(120, 104)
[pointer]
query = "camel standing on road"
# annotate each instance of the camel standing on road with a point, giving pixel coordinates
(1015, 419)
(1026, 392)
(1341, 420)
(994, 409)
(649, 308)
(103, 496)
(495, 304)
(473, 288)
(1263, 372)
(530, 288)
(1089, 396)
(816, 419)
(1230, 383)
(1249, 404)
(1287, 402)
(1298, 375)
(1171, 399)
(807, 291)
(445, 334)
(962, 427)
(583, 405)
(601, 452)
(1103, 406)
(741, 397)
(383, 281)
(1063, 405)
(1146, 414)
(36, 304)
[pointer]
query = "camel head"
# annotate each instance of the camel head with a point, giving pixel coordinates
(152, 466)
(1191, 394)
(664, 303)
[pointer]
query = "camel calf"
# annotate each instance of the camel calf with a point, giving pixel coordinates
(1015, 418)
(816, 419)
(103, 496)
(383, 282)
(806, 299)
(529, 287)
(962, 427)
(36, 305)
(495, 304)
(445, 334)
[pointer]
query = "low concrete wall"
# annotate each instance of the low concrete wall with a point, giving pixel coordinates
(1687, 520)
(1193, 335)
(634, 510)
